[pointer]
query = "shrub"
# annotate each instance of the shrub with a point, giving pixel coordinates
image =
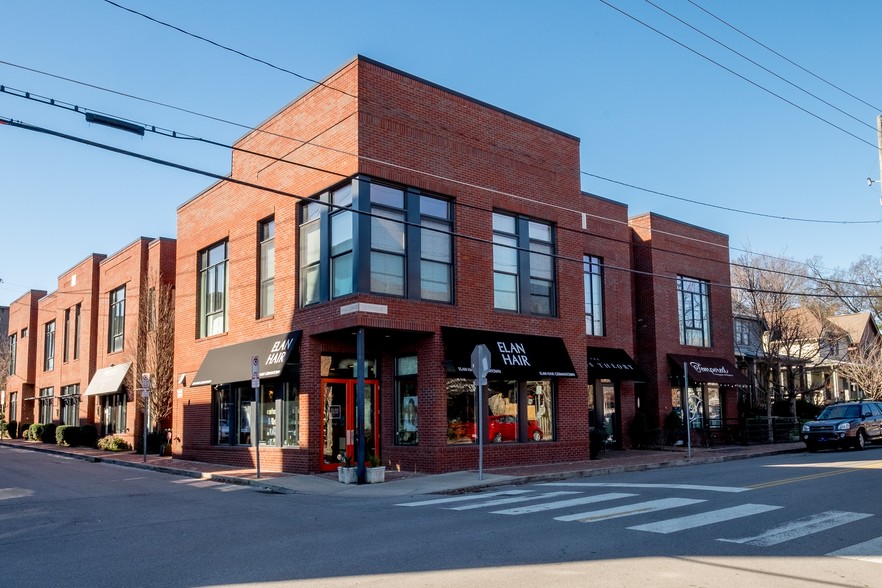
(47, 435)
(23, 429)
(113, 443)
(88, 435)
(12, 429)
(35, 431)
(67, 435)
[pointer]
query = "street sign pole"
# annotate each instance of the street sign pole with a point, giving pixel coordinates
(255, 423)
(688, 416)
(480, 367)
(145, 396)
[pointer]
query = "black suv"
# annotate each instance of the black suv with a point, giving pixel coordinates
(847, 424)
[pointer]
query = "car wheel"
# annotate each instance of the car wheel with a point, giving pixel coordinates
(861, 440)
(497, 438)
(537, 435)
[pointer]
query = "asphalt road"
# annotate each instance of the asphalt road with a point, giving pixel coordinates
(789, 520)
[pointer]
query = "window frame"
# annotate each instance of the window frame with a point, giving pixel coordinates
(116, 320)
(49, 346)
(525, 270)
(595, 315)
(13, 353)
(693, 307)
(213, 302)
(266, 267)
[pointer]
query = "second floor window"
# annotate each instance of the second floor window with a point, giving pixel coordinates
(213, 290)
(76, 335)
(592, 268)
(523, 265)
(267, 235)
(13, 349)
(742, 333)
(117, 330)
(371, 237)
(66, 346)
(49, 346)
(693, 305)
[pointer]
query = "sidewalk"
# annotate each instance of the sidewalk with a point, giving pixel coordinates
(409, 483)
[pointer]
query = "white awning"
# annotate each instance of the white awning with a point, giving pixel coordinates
(108, 380)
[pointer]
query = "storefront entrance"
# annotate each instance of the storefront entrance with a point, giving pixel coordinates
(339, 424)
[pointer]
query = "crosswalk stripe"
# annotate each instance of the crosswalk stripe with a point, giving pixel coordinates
(867, 551)
(501, 501)
(800, 528)
(628, 510)
(705, 518)
(562, 503)
(465, 498)
(665, 486)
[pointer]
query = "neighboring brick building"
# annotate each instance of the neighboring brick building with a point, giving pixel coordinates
(426, 222)
(684, 317)
(83, 338)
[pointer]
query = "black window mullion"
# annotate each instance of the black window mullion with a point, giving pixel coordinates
(524, 290)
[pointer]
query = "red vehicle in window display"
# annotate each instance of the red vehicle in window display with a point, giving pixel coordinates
(504, 427)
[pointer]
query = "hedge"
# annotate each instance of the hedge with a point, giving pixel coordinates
(67, 435)
(88, 435)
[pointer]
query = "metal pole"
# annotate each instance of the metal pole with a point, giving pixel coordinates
(688, 418)
(144, 400)
(359, 403)
(479, 414)
(255, 429)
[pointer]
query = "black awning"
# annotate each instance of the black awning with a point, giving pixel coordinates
(514, 356)
(233, 363)
(613, 364)
(708, 370)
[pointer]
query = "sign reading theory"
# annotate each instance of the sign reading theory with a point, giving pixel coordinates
(512, 355)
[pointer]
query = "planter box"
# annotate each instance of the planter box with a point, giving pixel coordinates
(347, 475)
(375, 475)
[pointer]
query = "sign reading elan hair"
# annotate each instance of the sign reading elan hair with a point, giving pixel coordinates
(511, 355)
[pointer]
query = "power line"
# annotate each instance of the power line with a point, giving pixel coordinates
(178, 135)
(163, 162)
(788, 60)
(226, 48)
(717, 206)
(767, 70)
(738, 75)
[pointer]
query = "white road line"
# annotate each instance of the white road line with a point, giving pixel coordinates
(801, 528)
(705, 518)
(562, 504)
(465, 498)
(501, 501)
(870, 551)
(628, 510)
(665, 486)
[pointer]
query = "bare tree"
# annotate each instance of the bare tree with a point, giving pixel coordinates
(770, 290)
(152, 349)
(864, 368)
(857, 289)
(5, 362)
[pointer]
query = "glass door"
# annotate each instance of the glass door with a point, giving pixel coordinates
(338, 425)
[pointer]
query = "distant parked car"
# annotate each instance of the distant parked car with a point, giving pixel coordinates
(504, 427)
(847, 424)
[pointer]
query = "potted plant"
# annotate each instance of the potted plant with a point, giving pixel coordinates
(346, 473)
(375, 472)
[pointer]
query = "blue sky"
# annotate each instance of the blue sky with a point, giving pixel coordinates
(649, 112)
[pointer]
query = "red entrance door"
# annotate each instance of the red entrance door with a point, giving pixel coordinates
(338, 426)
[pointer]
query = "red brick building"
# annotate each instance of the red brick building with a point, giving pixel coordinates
(75, 347)
(684, 319)
(423, 223)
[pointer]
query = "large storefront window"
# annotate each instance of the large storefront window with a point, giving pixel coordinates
(517, 411)
(406, 401)
(279, 418)
(113, 414)
(70, 404)
(45, 405)
(704, 403)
